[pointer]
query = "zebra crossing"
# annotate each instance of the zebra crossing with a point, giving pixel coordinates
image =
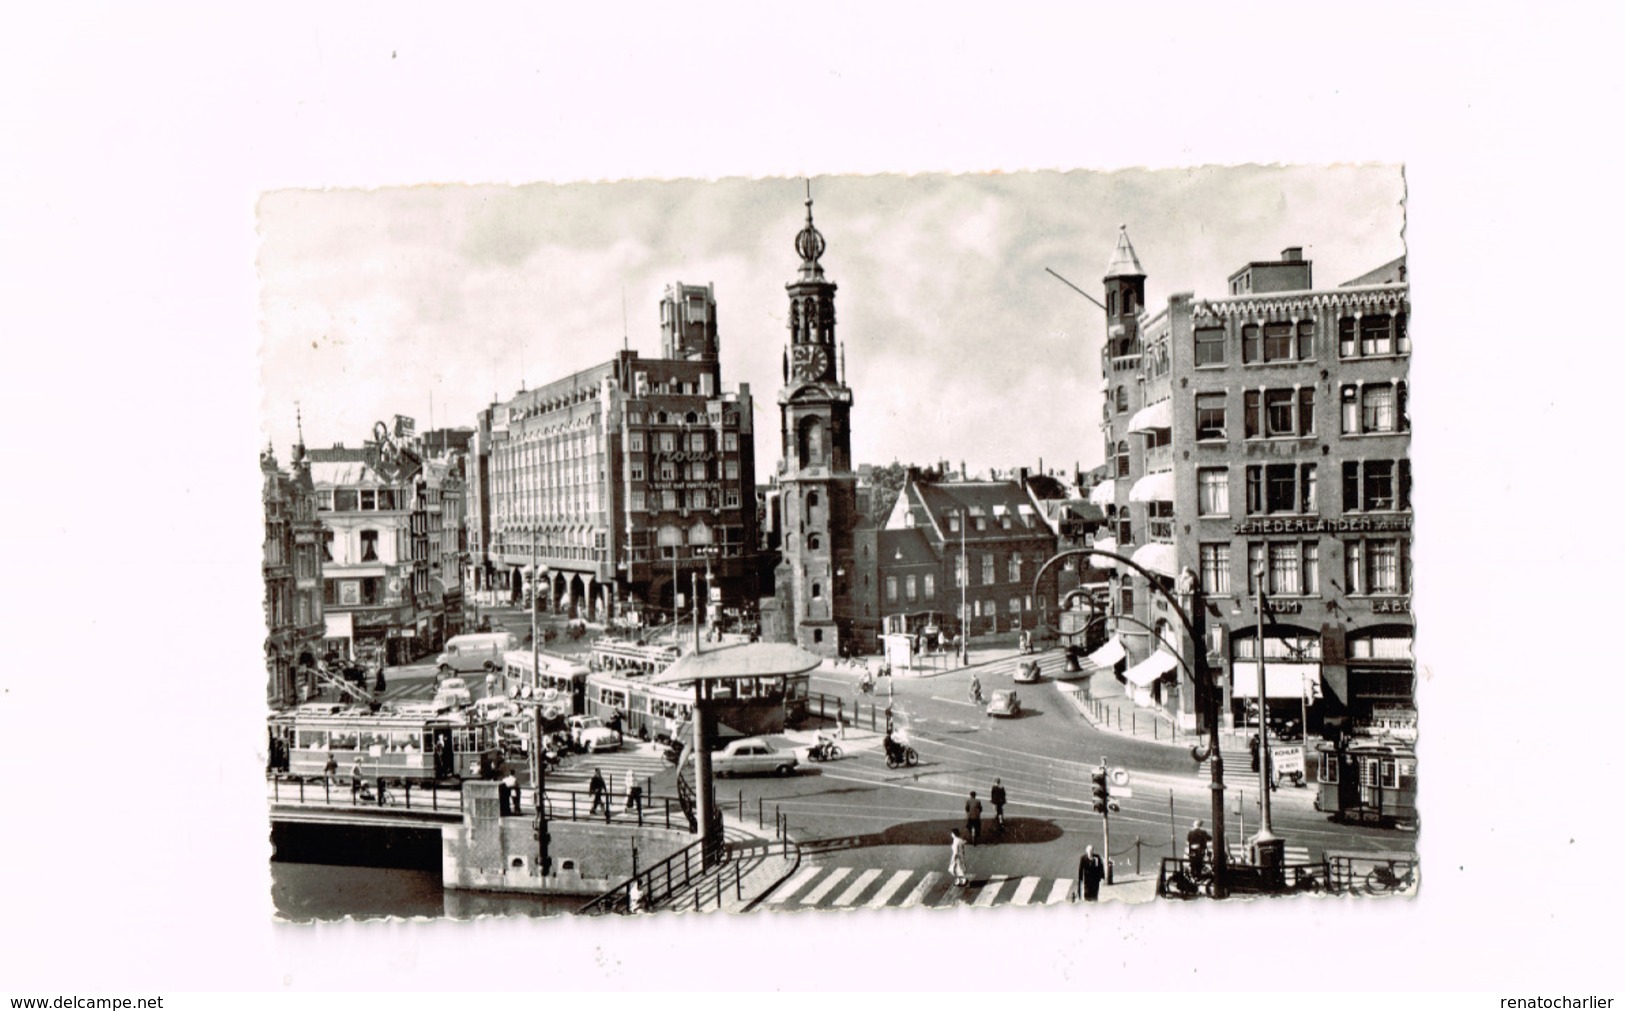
(835, 887)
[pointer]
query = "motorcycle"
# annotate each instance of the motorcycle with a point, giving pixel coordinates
(824, 751)
(898, 754)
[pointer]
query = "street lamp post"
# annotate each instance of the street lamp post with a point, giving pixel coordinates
(964, 608)
(1269, 848)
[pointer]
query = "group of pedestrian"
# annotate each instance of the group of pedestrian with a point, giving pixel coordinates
(508, 794)
(1091, 866)
(599, 791)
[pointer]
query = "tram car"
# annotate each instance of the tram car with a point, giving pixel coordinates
(1368, 780)
(559, 683)
(399, 743)
(745, 707)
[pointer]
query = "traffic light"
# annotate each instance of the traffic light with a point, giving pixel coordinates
(1101, 790)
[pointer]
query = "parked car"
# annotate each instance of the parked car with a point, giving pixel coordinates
(453, 692)
(1004, 703)
(752, 755)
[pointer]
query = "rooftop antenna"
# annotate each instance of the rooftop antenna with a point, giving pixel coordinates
(626, 340)
(521, 367)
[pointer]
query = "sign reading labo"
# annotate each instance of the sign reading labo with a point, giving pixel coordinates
(1322, 524)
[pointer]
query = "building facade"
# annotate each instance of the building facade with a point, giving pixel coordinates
(1259, 441)
(816, 580)
(940, 531)
(373, 503)
(623, 488)
(292, 567)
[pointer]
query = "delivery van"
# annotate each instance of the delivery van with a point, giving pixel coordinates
(475, 651)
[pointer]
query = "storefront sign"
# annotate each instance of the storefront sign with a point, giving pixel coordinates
(686, 456)
(1396, 605)
(1286, 607)
(1322, 524)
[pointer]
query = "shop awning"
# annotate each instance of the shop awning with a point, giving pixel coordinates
(1108, 655)
(1159, 558)
(1158, 487)
(1103, 494)
(746, 660)
(1151, 668)
(1158, 415)
(1283, 680)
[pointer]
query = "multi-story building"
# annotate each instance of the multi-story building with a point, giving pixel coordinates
(292, 569)
(815, 586)
(1263, 435)
(373, 503)
(447, 536)
(937, 530)
(626, 485)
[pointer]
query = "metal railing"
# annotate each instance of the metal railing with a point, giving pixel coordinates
(659, 882)
(418, 796)
(1175, 880)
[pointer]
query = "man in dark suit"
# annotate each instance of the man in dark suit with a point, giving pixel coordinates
(1091, 872)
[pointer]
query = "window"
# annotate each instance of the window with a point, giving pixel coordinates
(911, 588)
(668, 500)
(1216, 568)
(638, 502)
(730, 470)
(987, 569)
(1377, 566)
(1122, 399)
(1122, 458)
(635, 442)
(668, 471)
(930, 586)
(1279, 345)
(817, 590)
(1255, 565)
(814, 542)
(369, 545)
(1125, 529)
(1377, 484)
(1281, 488)
(1311, 568)
(730, 498)
(344, 500)
(1160, 520)
(1306, 340)
(1376, 335)
(1251, 345)
(1015, 608)
(1345, 337)
(730, 442)
(1125, 598)
(1285, 570)
(1402, 334)
(1210, 346)
(891, 589)
(668, 442)
(1015, 568)
(696, 442)
(981, 523)
(637, 470)
(1209, 416)
(1277, 413)
(327, 545)
(959, 572)
(1377, 408)
(1351, 410)
(1213, 491)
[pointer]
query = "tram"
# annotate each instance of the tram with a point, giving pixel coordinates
(401, 743)
(1368, 779)
(745, 706)
(560, 683)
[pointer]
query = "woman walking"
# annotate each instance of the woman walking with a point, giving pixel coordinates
(956, 857)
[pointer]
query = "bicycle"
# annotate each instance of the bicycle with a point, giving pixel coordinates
(1387, 877)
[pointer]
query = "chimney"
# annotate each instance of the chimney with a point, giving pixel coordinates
(1021, 475)
(1292, 254)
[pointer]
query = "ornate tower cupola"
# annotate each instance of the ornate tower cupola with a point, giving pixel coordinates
(1125, 296)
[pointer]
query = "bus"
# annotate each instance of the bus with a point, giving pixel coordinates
(397, 743)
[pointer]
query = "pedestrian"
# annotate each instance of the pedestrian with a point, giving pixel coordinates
(490, 683)
(597, 789)
(1269, 771)
(634, 897)
(504, 805)
(1091, 872)
(1196, 843)
(634, 795)
(510, 783)
(956, 857)
(1252, 749)
(973, 819)
(355, 779)
(330, 771)
(996, 795)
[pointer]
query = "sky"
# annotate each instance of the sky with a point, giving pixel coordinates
(429, 301)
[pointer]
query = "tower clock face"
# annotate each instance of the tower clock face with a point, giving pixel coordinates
(811, 361)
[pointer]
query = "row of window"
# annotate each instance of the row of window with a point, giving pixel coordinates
(693, 498)
(1371, 565)
(980, 522)
(1368, 485)
(694, 470)
(668, 442)
(1367, 336)
(349, 500)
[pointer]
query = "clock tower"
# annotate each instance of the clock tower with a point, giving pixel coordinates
(815, 581)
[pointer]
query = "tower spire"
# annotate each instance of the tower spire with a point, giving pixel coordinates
(810, 244)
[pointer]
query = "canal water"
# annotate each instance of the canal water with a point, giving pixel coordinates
(307, 892)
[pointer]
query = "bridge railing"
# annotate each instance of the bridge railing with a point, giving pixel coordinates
(659, 882)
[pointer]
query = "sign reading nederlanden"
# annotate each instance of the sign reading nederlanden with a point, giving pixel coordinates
(1322, 524)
